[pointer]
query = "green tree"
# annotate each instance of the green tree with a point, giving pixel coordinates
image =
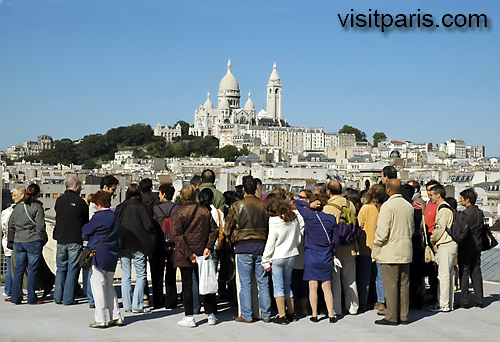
(245, 151)
(360, 135)
(89, 164)
(184, 126)
(378, 136)
(228, 152)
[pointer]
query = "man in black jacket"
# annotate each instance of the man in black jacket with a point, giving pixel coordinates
(469, 250)
(72, 213)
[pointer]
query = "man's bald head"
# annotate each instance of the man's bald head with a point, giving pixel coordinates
(393, 187)
(334, 188)
(73, 183)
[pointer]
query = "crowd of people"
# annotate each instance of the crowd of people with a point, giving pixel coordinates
(279, 256)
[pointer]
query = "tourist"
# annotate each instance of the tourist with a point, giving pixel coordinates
(321, 242)
(136, 243)
(164, 262)
(430, 221)
(247, 227)
(27, 235)
(417, 265)
(469, 250)
(344, 279)
(208, 182)
(108, 183)
(17, 195)
(206, 197)
(279, 253)
(300, 287)
(194, 234)
(445, 247)
(72, 213)
(393, 250)
(102, 233)
(366, 269)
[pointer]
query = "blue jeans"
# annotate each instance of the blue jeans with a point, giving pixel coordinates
(379, 285)
(196, 295)
(133, 300)
(27, 254)
(282, 277)
(67, 272)
(247, 264)
(363, 277)
(87, 288)
(8, 276)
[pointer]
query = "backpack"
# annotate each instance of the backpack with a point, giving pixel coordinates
(166, 228)
(459, 228)
(349, 229)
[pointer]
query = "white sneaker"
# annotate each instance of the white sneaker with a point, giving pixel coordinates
(187, 321)
(212, 320)
(144, 310)
(436, 308)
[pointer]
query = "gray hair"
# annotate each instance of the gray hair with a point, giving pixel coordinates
(72, 181)
(19, 191)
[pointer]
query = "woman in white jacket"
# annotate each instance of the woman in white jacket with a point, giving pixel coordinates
(279, 253)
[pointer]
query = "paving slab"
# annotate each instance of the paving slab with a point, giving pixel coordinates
(51, 322)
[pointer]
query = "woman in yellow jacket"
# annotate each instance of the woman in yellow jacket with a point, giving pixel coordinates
(367, 218)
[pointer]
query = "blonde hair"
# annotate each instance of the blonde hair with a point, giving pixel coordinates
(188, 193)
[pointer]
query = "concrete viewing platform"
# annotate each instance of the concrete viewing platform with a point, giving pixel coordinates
(51, 322)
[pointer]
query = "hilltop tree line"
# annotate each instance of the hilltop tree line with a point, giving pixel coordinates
(94, 149)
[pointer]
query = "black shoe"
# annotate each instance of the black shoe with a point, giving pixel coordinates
(72, 303)
(280, 320)
(314, 319)
(333, 319)
(479, 306)
(403, 322)
(59, 303)
(383, 321)
(291, 317)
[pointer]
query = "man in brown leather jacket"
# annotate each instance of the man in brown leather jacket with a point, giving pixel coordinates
(247, 227)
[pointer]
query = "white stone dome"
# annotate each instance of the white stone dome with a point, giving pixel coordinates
(249, 104)
(229, 82)
(208, 104)
(262, 113)
(224, 103)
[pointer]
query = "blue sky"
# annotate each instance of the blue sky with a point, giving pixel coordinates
(72, 68)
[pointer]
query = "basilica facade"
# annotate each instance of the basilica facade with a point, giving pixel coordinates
(215, 120)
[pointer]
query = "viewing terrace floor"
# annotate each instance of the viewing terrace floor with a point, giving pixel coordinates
(51, 322)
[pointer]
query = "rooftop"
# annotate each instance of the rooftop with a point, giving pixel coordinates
(50, 322)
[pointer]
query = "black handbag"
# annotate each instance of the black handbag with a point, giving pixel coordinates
(487, 238)
(86, 257)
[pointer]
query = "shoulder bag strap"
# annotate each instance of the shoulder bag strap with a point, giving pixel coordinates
(171, 209)
(159, 207)
(106, 236)
(29, 217)
(324, 229)
(220, 218)
(335, 205)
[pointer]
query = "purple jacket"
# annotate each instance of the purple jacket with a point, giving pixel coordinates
(315, 236)
(101, 223)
